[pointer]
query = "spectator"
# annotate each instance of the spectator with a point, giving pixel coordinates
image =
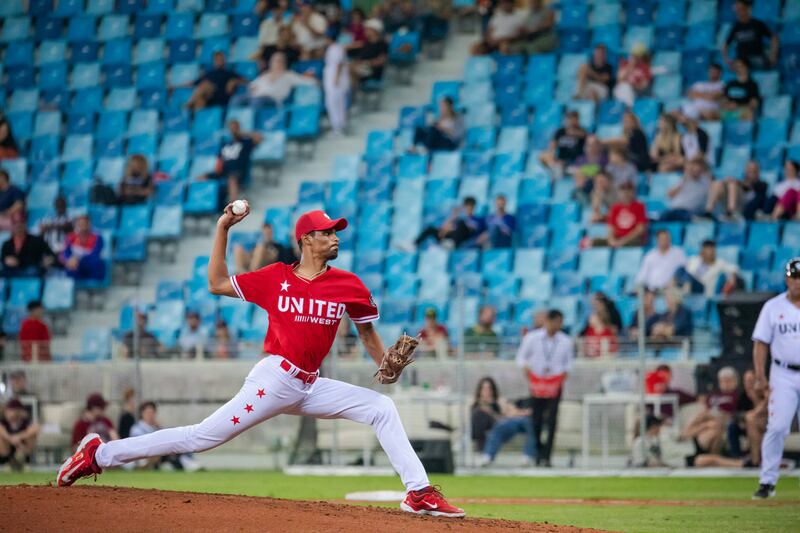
(660, 264)
(634, 141)
(786, 194)
(371, 58)
(34, 335)
(747, 196)
(495, 421)
(748, 35)
(444, 134)
(127, 418)
(596, 78)
(500, 226)
(589, 164)
(265, 252)
(193, 338)
(225, 345)
(54, 229)
(566, 145)
(433, 338)
(695, 142)
(646, 450)
(676, 321)
(537, 34)
(8, 145)
(309, 29)
(278, 17)
(707, 428)
(137, 185)
(481, 339)
(599, 336)
(148, 423)
(336, 82)
(751, 412)
(18, 435)
(742, 95)
(82, 249)
(234, 159)
(505, 24)
(603, 197)
(25, 254)
(689, 197)
(356, 29)
(626, 220)
(284, 44)
(633, 76)
(704, 97)
(602, 304)
(659, 381)
(273, 86)
(461, 228)
(101, 193)
(703, 272)
(12, 201)
(148, 345)
(18, 388)
(94, 420)
(619, 169)
(666, 152)
(216, 86)
(397, 14)
(649, 305)
(546, 356)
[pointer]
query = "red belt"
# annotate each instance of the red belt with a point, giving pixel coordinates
(306, 377)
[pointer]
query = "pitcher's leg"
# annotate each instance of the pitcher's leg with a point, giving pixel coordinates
(335, 399)
(782, 408)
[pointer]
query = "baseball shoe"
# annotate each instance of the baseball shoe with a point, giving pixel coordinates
(82, 463)
(484, 460)
(765, 490)
(431, 502)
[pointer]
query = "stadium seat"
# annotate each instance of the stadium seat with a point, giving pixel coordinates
(22, 291)
(58, 294)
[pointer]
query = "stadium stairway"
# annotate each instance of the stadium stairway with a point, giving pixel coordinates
(295, 170)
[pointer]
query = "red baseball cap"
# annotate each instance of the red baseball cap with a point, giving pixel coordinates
(317, 221)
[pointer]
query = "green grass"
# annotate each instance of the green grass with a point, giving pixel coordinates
(730, 515)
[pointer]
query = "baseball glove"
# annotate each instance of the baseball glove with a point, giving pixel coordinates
(395, 359)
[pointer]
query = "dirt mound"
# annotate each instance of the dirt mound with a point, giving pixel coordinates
(96, 508)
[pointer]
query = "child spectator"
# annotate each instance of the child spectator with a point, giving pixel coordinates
(25, 254)
(18, 435)
(127, 417)
(633, 76)
(500, 226)
(676, 321)
(193, 338)
(309, 29)
(742, 96)
(665, 151)
(82, 249)
(748, 35)
(55, 229)
(626, 219)
(94, 420)
(12, 201)
(495, 421)
(137, 185)
(34, 335)
(704, 97)
(634, 141)
(234, 159)
(216, 86)
(505, 24)
(336, 83)
(370, 59)
(596, 78)
(566, 145)
(265, 252)
(786, 194)
(646, 449)
(660, 264)
(481, 339)
(689, 197)
(8, 145)
(462, 227)
(433, 338)
(444, 134)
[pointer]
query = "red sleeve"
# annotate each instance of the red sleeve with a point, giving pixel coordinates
(361, 307)
(254, 286)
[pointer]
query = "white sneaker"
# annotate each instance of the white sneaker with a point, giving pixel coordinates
(189, 464)
(483, 460)
(527, 462)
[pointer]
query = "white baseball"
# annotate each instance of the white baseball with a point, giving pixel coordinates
(239, 207)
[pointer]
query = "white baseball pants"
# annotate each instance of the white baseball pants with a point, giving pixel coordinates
(784, 405)
(268, 391)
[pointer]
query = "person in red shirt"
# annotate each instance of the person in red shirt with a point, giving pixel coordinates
(627, 220)
(82, 248)
(34, 335)
(433, 336)
(305, 301)
(633, 76)
(94, 421)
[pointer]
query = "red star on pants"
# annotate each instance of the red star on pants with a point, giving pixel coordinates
(260, 393)
(235, 420)
(248, 408)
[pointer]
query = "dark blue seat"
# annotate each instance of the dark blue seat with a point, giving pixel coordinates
(202, 197)
(20, 77)
(244, 25)
(84, 51)
(48, 27)
(147, 26)
(182, 51)
(81, 28)
(117, 75)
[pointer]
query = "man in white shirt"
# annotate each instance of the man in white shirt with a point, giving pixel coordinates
(148, 423)
(703, 271)
(309, 29)
(660, 264)
(704, 97)
(505, 25)
(193, 338)
(777, 332)
(546, 355)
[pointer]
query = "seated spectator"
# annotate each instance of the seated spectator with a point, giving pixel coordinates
(702, 272)
(566, 145)
(127, 417)
(500, 226)
(676, 321)
(626, 219)
(704, 97)
(589, 164)
(665, 151)
(433, 338)
(596, 78)
(25, 254)
(216, 86)
(745, 197)
(602, 304)
(273, 86)
(649, 305)
(234, 159)
(356, 29)
(34, 334)
(481, 339)
(461, 228)
(634, 141)
(633, 76)
(599, 336)
(101, 193)
(370, 60)
(148, 345)
(276, 17)
(82, 249)
(505, 25)
(748, 35)
(148, 423)
(660, 264)
(398, 14)
(225, 345)
(659, 381)
(786, 194)
(749, 420)
(695, 142)
(8, 145)
(538, 34)
(603, 196)
(495, 421)
(12, 201)
(284, 44)
(137, 184)
(444, 134)
(193, 338)
(18, 388)
(94, 420)
(54, 229)
(336, 86)
(707, 428)
(689, 197)
(742, 96)
(646, 449)
(18, 435)
(309, 29)
(619, 169)
(265, 252)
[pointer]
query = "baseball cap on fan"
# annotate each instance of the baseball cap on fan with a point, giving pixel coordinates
(793, 268)
(317, 221)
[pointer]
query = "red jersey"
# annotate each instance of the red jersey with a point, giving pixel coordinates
(304, 315)
(33, 331)
(623, 218)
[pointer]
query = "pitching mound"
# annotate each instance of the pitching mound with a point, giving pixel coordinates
(96, 508)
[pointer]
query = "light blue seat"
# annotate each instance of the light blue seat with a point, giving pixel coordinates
(19, 54)
(508, 165)
(696, 233)
(24, 100)
(734, 158)
(435, 287)
(117, 52)
(112, 124)
(243, 49)
(445, 165)
(150, 75)
(179, 26)
(768, 82)
(441, 89)
(59, 294)
(201, 197)
(15, 29)
(586, 112)
(379, 143)
(568, 283)
(149, 50)
(778, 107)
(202, 165)
(245, 116)
(51, 52)
(605, 13)
(431, 261)
(212, 25)
(104, 218)
(403, 286)
(78, 147)
(502, 287)
(22, 291)
(110, 169)
(638, 34)
(477, 187)
(121, 99)
(667, 87)
(47, 123)
(167, 222)
(791, 235)
(44, 148)
(626, 261)
(174, 146)
(143, 121)
(566, 258)
(18, 171)
(271, 148)
(513, 139)
(771, 132)
(478, 68)
(507, 187)
(762, 234)
(96, 344)
(134, 219)
(113, 27)
(538, 287)
(569, 65)
(594, 262)
(144, 144)
(346, 167)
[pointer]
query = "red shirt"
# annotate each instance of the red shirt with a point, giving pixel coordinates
(304, 315)
(656, 382)
(624, 218)
(593, 341)
(102, 426)
(33, 331)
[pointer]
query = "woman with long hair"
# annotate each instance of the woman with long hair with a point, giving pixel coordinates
(8, 145)
(666, 151)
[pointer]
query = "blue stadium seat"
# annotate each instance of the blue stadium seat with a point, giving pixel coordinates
(18, 171)
(762, 234)
(559, 259)
(44, 148)
(594, 262)
(58, 294)
(626, 261)
(304, 122)
(11, 8)
(568, 283)
(121, 99)
(666, 87)
(167, 222)
(160, 7)
(539, 287)
(403, 286)
(148, 51)
(441, 89)
(731, 234)
(696, 233)
(113, 27)
(15, 29)
(777, 107)
(130, 6)
(131, 248)
(212, 25)
(22, 291)
(700, 36)
(104, 218)
(201, 197)
(791, 235)
(47, 123)
(738, 133)
(147, 26)
(19, 54)
(134, 219)
(21, 77)
(445, 165)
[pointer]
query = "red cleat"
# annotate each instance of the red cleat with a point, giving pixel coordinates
(431, 502)
(81, 464)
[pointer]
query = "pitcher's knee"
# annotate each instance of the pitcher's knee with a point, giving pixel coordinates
(384, 407)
